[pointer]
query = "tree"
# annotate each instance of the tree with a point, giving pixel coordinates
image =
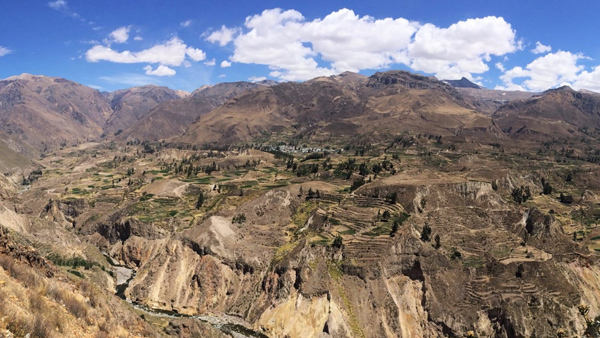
(520, 271)
(437, 241)
(200, 200)
(425, 233)
(395, 228)
(521, 195)
(239, 218)
(338, 242)
(357, 183)
(546, 187)
(386, 215)
(565, 199)
(526, 194)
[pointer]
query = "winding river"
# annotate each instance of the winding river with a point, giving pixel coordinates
(227, 324)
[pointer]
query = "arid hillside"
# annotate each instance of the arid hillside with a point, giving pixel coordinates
(171, 119)
(346, 207)
(130, 105)
(378, 108)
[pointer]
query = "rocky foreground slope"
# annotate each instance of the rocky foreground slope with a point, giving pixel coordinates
(432, 247)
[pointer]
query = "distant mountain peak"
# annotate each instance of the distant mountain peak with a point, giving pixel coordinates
(406, 79)
(462, 83)
(24, 76)
(564, 88)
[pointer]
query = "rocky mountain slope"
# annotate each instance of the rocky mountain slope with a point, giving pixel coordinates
(129, 105)
(172, 118)
(38, 113)
(432, 246)
(557, 113)
(45, 113)
(377, 108)
(463, 83)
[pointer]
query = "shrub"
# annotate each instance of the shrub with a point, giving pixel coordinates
(425, 233)
(239, 218)
(338, 242)
(546, 187)
(357, 183)
(71, 303)
(565, 199)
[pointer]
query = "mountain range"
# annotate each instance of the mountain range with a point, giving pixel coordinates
(390, 205)
(39, 114)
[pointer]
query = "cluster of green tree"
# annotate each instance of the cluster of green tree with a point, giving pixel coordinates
(305, 169)
(239, 218)
(279, 155)
(565, 199)
(405, 141)
(345, 169)
(521, 195)
(359, 149)
(124, 158)
(315, 156)
(33, 176)
(385, 216)
(359, 182)
(72, 261)
(313, 194)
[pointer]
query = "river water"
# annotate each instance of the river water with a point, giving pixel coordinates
(227, 324)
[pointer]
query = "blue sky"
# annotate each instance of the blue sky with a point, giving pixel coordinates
(526, 45)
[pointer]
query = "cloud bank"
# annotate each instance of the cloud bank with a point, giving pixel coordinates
(172, 53)
(296, 49)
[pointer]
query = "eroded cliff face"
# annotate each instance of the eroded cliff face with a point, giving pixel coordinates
(495, 269)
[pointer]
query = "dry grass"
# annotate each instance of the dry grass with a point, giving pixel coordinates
(32, 304)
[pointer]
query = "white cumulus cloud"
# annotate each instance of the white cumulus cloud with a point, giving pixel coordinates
(159, 71)
(58, 4)
(588, 80)
(186, 23)
(211, 62)
(223, 36)
(463, 48)
(546, 72)
(296, 49)
(4, 51)
(195, 54)
(225, 64)
(170, 53)
(120, 35)
(256, 78)
(541, 49)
